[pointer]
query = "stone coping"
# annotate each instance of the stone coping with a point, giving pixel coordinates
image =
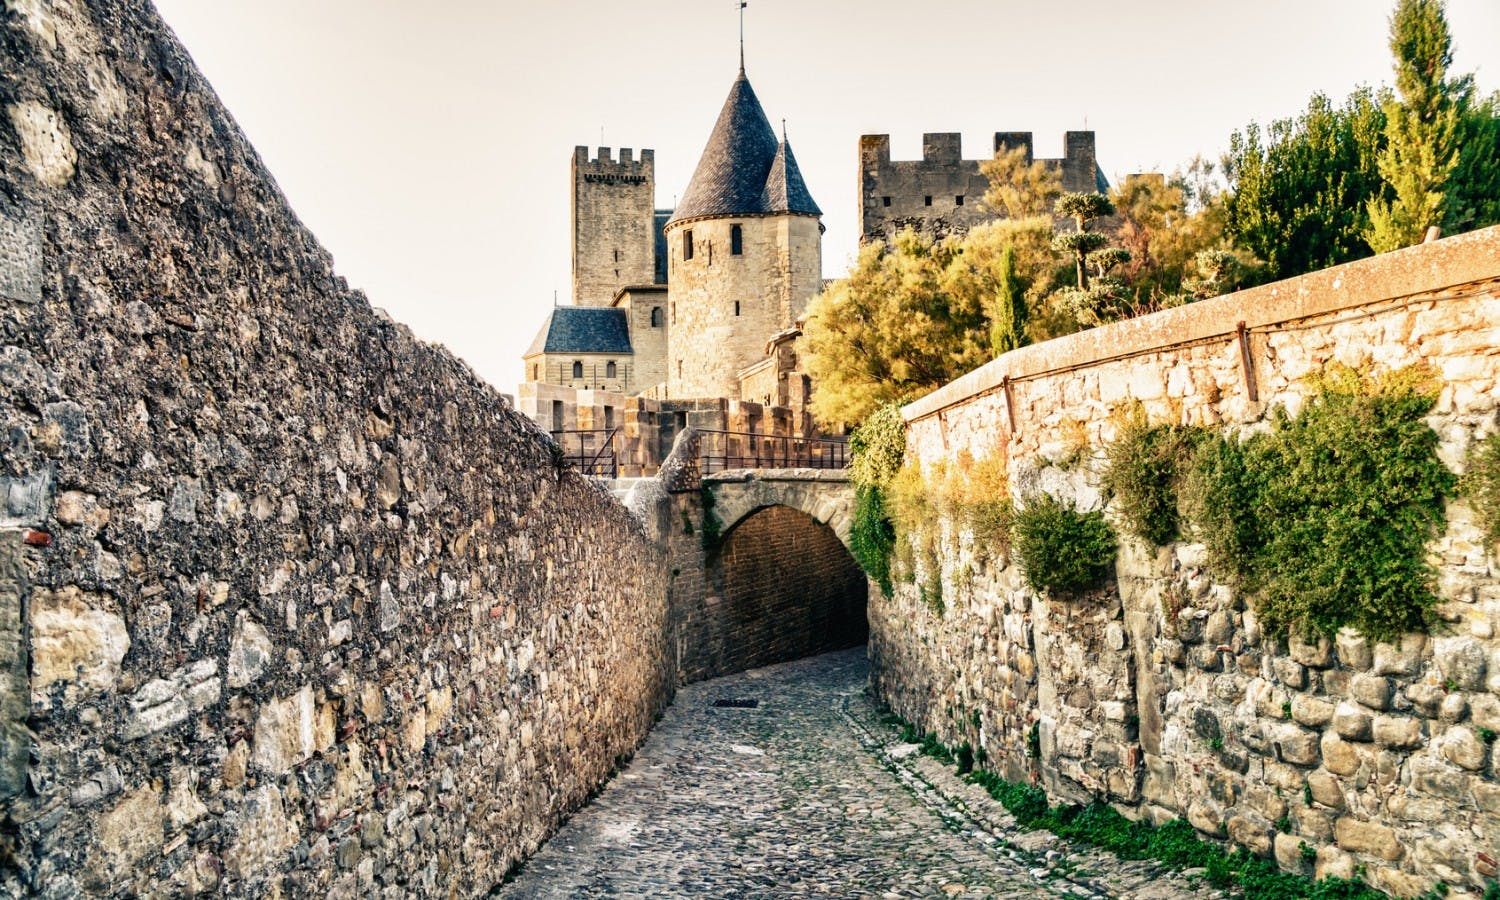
(1461, 259)
(731, 476)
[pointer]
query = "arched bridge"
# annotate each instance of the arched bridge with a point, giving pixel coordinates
(825, 495)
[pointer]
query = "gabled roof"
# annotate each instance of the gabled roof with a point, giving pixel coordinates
(583, 329)
(744, 170)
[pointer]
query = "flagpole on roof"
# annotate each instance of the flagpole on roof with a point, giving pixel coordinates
(743, 4)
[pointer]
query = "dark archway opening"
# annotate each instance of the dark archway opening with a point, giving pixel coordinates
(789, 588)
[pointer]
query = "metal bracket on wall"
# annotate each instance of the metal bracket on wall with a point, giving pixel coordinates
(943, 428)
(1010, 402)
(1246, 362)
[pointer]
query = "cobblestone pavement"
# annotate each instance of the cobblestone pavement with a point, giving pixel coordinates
(805, 795)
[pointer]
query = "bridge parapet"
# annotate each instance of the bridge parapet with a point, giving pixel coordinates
(824, 494)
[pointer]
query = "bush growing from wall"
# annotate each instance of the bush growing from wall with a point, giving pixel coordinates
(1327, 517)
(1144, 467)
(1061, 549)
(878, 445)
(1481, 485)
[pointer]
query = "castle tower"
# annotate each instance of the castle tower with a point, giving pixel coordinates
(744, 250)
(614, 224)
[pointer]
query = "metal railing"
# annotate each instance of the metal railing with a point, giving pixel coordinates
(591, 451)
(721, 450)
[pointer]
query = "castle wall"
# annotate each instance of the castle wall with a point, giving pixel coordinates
(649, 342)
(557, 369)
(614, 223)
(291, 603)
(924, 194)
(1370, 753)
(778, 272)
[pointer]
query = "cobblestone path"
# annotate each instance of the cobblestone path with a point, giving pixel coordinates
(801, 797)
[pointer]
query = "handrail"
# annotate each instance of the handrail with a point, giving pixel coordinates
(785, 451)
(599, 463)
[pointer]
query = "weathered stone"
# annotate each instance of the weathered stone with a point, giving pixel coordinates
(1218, 628)
(1461, 661)
(1326, 789)
(1333, 863)
(284, 733)
(1266, 802)
(1371, 690)
(74, 638)
(1426, 698)
(1358, 836)
(1206, 817)
(1251, 832)
(260, 831)
(1311, 711)
(1398, 732)
(1339, 756)
(127, 833)
(1462, 747)
(1351, 723)
(1296, 745)
(249, 652)
(1289, 853)
(1453, 708)
(1290, 673)
(1316, 652)
(1403, 658)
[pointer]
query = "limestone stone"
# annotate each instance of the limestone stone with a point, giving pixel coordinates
(284, 733)
(75, 639)
(1290, 673)
(1485, 711)
(1398, 732)
(1296, 745)
(1351, 723)
(1339, 756)
(250, 652)
(1326, 789)
(1400, 884)
(1311, 711)
(1315, 652)
(1372, 691)
(1462, 747)
(1426, 698)
(1357, 836)
(1289, 852)
(127, 833)
(1401, 658)
(1353, 649)
(1251, 832)
(1333, 863)
(261, 833)
(1462, 662)
(1453, 708)
(1206, 817)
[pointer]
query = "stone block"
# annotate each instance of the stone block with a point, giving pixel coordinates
(260, 831)
(1288, 850)
(1351, 723)
(1316, 652)
(1339, 756)
(1310, 711)
(1206, 817)
(1426, 699)
(76, 639)
(1326, 789)
(1462, 747)
(249, 652)
(284, 733)
(1401, 658)
(1358, 836)
(1353, 649)
(1333, 863)
(1296, 745)
(1398, 732)
(1290, 673)
(1251, 832)
(1372, 691)
(1461, 661)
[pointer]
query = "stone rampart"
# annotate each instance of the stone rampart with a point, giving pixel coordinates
(291, 603)
(1162, 693)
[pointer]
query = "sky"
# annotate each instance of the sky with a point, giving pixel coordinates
(428, 144)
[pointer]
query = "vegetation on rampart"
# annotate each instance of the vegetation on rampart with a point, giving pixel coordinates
(1062, 549)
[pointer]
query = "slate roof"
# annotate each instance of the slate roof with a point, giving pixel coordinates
(744, 170)
(583, 329)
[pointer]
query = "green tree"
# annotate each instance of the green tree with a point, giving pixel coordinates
(1422, 130)
(1083, 209)
(1298, 189)
(1008, 315)
(1474, 188)
(1018, 189)
(892, 330)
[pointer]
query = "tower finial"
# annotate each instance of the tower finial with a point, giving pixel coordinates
(783, 129)
(743, 4)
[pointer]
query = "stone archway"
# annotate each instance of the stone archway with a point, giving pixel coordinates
(825, 496)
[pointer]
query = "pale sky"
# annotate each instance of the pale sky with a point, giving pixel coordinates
(427, 144)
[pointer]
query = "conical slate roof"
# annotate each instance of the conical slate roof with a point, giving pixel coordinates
(743, 169)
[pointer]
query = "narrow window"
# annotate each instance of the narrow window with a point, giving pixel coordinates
(609, 416)
(679, 368)
(927, 201)
(557, 415)
(609, 369)
(687, 244)
(617, 256)
(710, 252)
(736, 307)
(674, 312)
(577, 369)
(736, 240)
(885, 201)
(534, 370)
(656, 317)
(959, 200)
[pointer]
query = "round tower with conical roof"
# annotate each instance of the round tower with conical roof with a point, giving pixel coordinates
(744, 251)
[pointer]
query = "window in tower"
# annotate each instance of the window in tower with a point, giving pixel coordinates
(617, 256)
(687, 244)
(577, 369)
(885, 201)
(927, 201)
(656, 317)
(736, 240)
(958, 200)
(736, 307)
(609, 369)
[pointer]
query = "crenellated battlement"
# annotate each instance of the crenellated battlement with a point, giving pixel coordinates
(603, 161)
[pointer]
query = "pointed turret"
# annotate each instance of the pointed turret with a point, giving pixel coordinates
(785, 191)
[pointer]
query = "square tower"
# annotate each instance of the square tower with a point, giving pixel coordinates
(614, 224)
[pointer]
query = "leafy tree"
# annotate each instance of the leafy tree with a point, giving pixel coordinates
(1421, 130)
(1297, 190)
(1083, 209)
(893, 330)
(1018, 189)
(1008, 313)
(1474, 188)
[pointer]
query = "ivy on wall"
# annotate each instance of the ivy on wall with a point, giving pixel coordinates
(1061, 549)
(1481, 485)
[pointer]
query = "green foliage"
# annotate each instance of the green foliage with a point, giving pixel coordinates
(1421, 131)
(1298, 189)
(1034, 741)
(932, 592)
(1328, 515)
(687, 524)
(1008, 314)
(1481, 485)
(1084, 207)
(712, 527)
(1493, 891)
(1061, 549)
(1144, 466)
(878, 446)
(1307, 796)
(1020, 189)
(1308, 852)
(872, 537)
(1487, 735)
(1474, 186)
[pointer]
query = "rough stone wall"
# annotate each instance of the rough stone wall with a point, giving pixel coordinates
(1370, 753)
(557, 369)
(924, 194)
(648, 342)
(778, 272)
(291, 603)
(614, 223)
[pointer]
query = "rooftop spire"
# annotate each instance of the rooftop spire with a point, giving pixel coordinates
(743, 4)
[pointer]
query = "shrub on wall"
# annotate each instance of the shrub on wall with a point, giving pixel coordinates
(872, 537)
(978, 497)
(1144, 466)
(1481, 485)
(1327, 517)
(877, 445)
(1061, 549)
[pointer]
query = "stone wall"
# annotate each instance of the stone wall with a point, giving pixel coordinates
(1161, 693)
(291, 603)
